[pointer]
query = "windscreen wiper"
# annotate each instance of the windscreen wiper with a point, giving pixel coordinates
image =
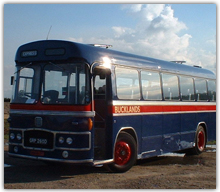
(60, 67)
(56, 65)
(23, 67)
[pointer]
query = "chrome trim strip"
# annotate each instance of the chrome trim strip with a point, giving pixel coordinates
(61, 113)
(51, 159)
(188, 132)
(151, 151)
(99, 162)
(161, 113)
(168, 135)
(161, 103)
(146, 152)
(152, 137)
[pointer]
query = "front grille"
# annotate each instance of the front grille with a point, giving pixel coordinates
(38, 139)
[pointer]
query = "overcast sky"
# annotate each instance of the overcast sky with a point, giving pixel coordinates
(164, 31)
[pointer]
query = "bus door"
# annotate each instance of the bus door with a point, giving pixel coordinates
(101, 94)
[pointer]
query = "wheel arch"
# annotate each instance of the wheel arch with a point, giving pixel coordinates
(203, 124)
(129, 130)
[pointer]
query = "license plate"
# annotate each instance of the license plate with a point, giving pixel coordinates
(38, 141)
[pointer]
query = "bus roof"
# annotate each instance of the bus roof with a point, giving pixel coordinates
(53, 50)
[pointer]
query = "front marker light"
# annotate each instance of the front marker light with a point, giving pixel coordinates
(90, 124)
(15, 149)
(65, 154)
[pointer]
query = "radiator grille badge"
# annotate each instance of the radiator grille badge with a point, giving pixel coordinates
(38, 121)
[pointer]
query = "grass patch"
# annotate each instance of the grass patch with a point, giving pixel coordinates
(6, 129)
(211, 143)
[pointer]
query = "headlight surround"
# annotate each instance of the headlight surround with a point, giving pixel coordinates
(15, 136)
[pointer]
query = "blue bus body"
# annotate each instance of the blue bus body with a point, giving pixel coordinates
(116, 109)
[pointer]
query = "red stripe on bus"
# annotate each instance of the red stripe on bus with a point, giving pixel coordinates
(161, 108)
(52, 107)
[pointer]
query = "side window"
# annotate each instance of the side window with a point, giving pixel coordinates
(127, 83)
(212, 90)
(170, 87)
(187, 89)
(201, 90)
(151, 87)
(99, 87)
(25, 81)
(23, 90)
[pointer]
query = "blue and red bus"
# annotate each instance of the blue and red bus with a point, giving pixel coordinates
(79, 103)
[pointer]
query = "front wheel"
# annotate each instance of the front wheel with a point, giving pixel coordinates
(125, 153)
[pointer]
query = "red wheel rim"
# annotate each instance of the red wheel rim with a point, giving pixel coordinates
(122, 153)
(201, 140)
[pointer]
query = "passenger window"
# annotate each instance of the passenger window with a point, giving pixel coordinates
(170, 87)
(201, 90)
(187, 89)
(127, 83)
(211, 90)
(151, 87)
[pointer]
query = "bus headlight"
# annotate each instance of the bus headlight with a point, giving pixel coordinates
(12, 136)
(69, 140)
(61, 140)
(18, 137)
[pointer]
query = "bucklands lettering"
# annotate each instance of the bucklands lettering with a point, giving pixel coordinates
(127, 109)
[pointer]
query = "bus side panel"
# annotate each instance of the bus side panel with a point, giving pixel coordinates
(211, 125)
(189, 124)
(202, 117)
(151, 134)
(171, 132)
(210, 121)
(188, 130)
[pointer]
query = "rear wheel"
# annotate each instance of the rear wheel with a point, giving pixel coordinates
(125, 153)
(200, 142)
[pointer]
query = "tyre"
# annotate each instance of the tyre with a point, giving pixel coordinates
(125, 153)
(200, 142)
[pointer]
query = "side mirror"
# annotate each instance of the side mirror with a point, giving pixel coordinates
(102, 72)
(102, 76)
(12, 80)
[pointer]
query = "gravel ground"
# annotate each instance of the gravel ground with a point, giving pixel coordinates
(166, 172)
